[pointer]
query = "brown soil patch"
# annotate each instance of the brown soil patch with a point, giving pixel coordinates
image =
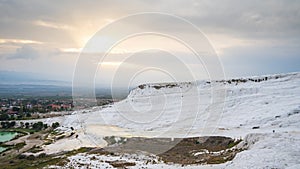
(203, 150)
(196, 150)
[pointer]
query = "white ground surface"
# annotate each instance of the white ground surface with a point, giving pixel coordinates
(195, 109)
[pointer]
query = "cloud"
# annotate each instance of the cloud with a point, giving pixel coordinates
(25, 52)
(240, 30)
(18, 41)
(251, 20)
(71, 50)
(52, 25)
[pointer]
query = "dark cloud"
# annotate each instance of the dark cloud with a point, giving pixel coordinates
(246, 19)
(250, 19)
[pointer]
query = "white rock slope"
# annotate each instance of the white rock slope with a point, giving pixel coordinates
(265, 111)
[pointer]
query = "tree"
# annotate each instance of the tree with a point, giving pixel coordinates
(15, 109)
(21, 124)
(3, 124)
(28, 114)
(45, 126)
(11, 124)
(27, 125)
(20, 116)
(4, 116)
(38, 126)
(55, 125)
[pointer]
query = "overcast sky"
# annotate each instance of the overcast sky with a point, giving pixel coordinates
(250, 37)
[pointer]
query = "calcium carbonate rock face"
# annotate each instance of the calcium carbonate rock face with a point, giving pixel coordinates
(265, 113)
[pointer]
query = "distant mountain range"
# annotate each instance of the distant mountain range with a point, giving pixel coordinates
(30, 84)
(12, 77)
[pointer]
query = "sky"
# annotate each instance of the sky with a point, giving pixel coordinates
(248, 37)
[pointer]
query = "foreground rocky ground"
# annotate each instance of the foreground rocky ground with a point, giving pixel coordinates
(131, 152)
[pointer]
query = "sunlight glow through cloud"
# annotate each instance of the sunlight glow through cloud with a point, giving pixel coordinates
(21, 41)
(52, 25)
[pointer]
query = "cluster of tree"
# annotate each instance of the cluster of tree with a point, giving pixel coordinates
(4, 116)
(38, 126)
(7, 124)
(33, 109)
